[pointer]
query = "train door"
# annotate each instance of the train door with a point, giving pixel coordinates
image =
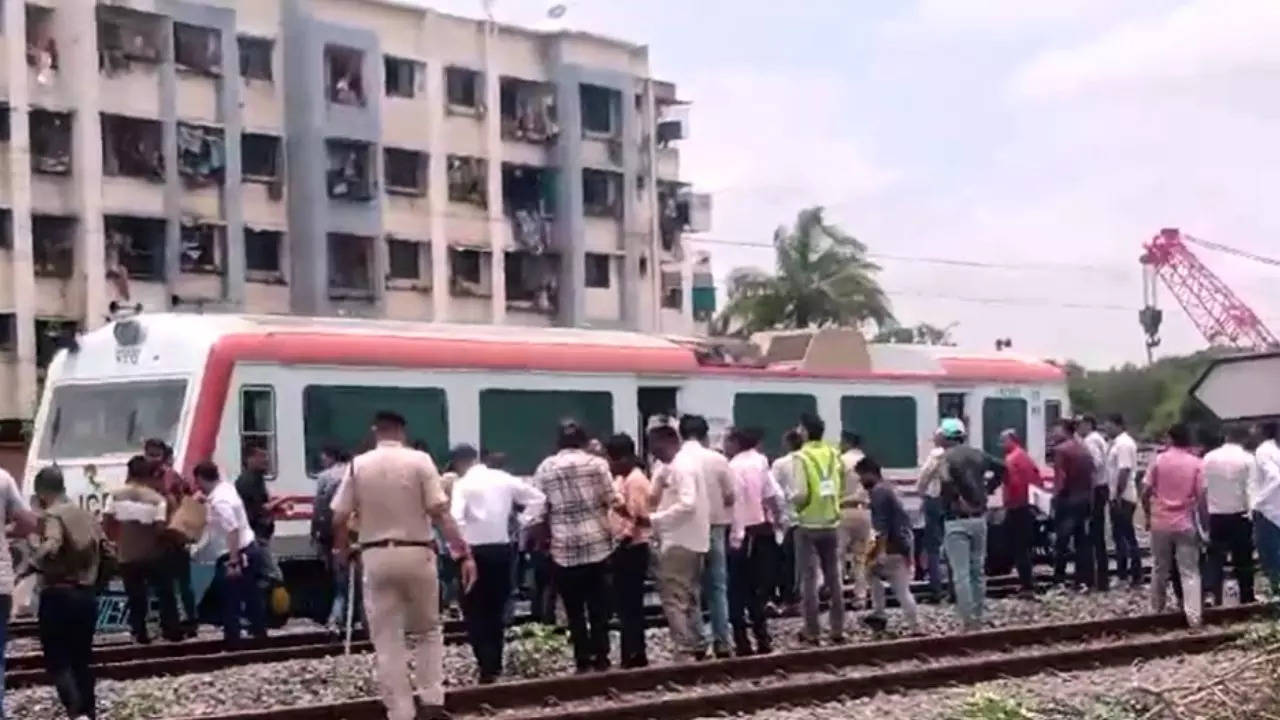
(653, 402)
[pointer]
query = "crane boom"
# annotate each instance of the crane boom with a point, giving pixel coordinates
(1217, 312)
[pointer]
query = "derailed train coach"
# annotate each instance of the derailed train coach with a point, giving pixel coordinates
(212, 385)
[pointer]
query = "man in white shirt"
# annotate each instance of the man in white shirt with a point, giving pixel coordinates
(716, 477)
(1264, 498)
(483, 501)
(1228, 475)
(783, 471)
(1096, 444)
(1121, 467)
(682, 525)
(240, 561)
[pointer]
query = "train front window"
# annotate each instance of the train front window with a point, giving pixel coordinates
(88, 421)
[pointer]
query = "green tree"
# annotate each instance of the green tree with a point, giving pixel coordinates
(822, 277)
(1151, 397)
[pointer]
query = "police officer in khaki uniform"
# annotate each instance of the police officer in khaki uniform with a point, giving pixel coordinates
(397, 494)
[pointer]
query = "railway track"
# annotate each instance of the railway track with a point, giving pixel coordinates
(129, 661)
(685, 690)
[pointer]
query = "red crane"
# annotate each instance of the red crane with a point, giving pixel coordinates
(1221, 316)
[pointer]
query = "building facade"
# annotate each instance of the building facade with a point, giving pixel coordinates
(331, 157)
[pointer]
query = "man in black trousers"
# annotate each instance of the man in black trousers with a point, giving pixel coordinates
(482, 503)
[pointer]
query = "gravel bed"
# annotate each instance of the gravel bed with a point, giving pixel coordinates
(1106, 693)
(296, 682)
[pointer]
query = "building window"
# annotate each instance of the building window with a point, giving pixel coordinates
(463, 89)
(6, 228)
(532, 280)
(350, 265)
(260, 157)
(198, 49)
(350, 176)
(597, 275)
(601, 193)
(201, 155)
(528, 110)
(600, 110)
(401, 76)
(202, 249)
(131, 147)
(406, 171)
(467, 276)
(403, 260)
(42, 49)
(135, 247)
(50, 142)
(262, 252)
(467, 180)
(8, 332)
(345, 74)
(52, 241)
(258, 421)
(5, 111)
(255, 57)
(672, 290)
(126, 36)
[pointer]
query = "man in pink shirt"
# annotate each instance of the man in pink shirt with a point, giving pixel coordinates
(1173, 496)
(753, 549)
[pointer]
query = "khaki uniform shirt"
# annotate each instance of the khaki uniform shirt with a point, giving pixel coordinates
(394, 489)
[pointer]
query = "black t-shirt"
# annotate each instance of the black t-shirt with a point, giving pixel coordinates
(252, 487)
(965, 487)
(889, 518)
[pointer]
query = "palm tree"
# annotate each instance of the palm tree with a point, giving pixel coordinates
(822, 277)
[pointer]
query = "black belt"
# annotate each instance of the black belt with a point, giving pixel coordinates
(392, 543)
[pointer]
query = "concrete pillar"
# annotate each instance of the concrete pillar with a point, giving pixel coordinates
(493, 151)
(86, 153)
(24, 282)
(437, 174)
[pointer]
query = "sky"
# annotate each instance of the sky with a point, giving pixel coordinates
(1041, 143)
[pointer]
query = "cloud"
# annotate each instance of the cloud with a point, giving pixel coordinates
(1197, 43)
(1001, 14)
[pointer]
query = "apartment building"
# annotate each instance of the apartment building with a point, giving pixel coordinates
(354, 157)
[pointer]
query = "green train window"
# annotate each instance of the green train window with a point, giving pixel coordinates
(771, 413)
(887, 425)
(998, 415)
(343, 414)
(522, 423)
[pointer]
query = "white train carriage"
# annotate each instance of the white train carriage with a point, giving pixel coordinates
(209, 384)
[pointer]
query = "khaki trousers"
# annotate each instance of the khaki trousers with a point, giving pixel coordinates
(679, 587)
(855, 537)
(401, 595)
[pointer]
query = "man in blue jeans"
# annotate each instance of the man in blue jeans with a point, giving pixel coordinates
(717, 480)
(12, 509)
(240, 562)
(964, 505)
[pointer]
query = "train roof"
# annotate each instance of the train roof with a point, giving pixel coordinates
(346, 341)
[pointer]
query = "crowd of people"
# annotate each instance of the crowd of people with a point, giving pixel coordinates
(731, 538)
